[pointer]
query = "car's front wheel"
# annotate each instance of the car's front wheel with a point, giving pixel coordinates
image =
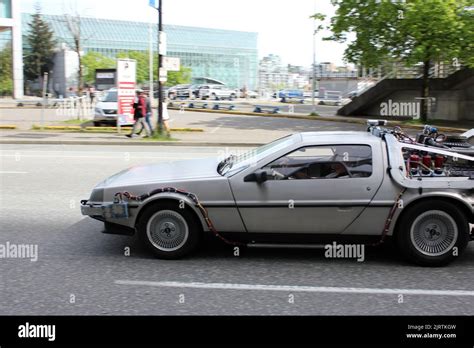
(433, 233)
(169, 231)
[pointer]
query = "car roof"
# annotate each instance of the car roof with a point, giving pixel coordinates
(339, 137)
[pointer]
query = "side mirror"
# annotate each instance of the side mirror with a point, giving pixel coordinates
(259, 177)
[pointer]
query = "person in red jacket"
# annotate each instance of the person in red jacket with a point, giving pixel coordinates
(139, 114)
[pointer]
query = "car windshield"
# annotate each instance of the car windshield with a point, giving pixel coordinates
(235, 164)
(110, 97)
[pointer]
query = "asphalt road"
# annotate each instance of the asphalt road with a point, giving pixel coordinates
(25, 118)
(81, 271)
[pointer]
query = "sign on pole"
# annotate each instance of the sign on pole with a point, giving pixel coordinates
(171, 63)
(163, 75)
(126, 84)
(153, 3)
(163, 44)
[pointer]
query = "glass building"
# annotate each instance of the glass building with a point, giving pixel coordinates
(224, 55)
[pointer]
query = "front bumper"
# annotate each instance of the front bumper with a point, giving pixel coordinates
(92, 210)
(107, 211)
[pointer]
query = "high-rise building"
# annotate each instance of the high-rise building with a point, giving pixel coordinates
(272, 73)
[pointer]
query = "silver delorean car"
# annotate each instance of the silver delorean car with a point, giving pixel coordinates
(303, 190)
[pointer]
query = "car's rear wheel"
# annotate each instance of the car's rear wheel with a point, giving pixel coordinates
(433, 233)
(170, 232)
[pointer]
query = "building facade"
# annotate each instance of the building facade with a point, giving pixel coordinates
(224, 55)
(11, 48)
(272, 73)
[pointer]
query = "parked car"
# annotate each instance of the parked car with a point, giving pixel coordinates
(304, 189)
(309, 94)
(175, 91)
(290, 94)
(333, 98)
(248, 94)
(216, 92)
(105, 111)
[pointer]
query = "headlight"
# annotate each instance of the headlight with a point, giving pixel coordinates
(99, 111)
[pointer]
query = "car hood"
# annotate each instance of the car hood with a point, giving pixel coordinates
(165, 172)
(107, 105)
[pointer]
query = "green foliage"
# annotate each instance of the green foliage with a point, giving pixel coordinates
(40, 39)
(411, 31)
(6, 70)
(92, 61)
(183, 76)
(408, 31)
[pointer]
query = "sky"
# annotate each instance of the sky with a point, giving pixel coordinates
(284, 26)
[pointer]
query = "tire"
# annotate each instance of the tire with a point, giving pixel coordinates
(430, 231)
(180, 230)
(215, 96)
(97, 124)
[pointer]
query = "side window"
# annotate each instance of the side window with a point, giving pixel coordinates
(323, 162)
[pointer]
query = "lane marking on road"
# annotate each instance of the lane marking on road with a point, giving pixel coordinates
(291, 288)
(2, 172)
(215, 129)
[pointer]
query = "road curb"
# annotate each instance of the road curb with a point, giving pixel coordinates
(340, 119)
(8, 126)
(126, 143)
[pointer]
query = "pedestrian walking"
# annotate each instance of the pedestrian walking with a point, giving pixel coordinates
(139, 115)
(149, 114)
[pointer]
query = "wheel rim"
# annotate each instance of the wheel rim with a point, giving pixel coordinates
(434, 233)
(167, 230)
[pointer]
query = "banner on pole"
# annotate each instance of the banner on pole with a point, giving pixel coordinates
(126, 87)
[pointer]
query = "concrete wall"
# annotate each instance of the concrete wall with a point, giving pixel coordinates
(466, 105)
(342, 85)
(450, 105)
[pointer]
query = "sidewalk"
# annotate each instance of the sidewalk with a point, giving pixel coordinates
(181, 139)
(219, 129)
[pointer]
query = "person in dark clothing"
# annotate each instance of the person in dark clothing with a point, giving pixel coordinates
(139, 115)
(149, 114)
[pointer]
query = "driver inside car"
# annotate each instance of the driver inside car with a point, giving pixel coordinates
(337, 171)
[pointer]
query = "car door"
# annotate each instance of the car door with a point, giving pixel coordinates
(314, 189)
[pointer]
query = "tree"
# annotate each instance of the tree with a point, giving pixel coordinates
(40, 39)
(409, 31)
(93, 61)
(6, 70)
(74, 26)
(183, 76)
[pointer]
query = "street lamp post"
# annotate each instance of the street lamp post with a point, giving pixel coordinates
(316, 29)
(313, 85)
(160, 66)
